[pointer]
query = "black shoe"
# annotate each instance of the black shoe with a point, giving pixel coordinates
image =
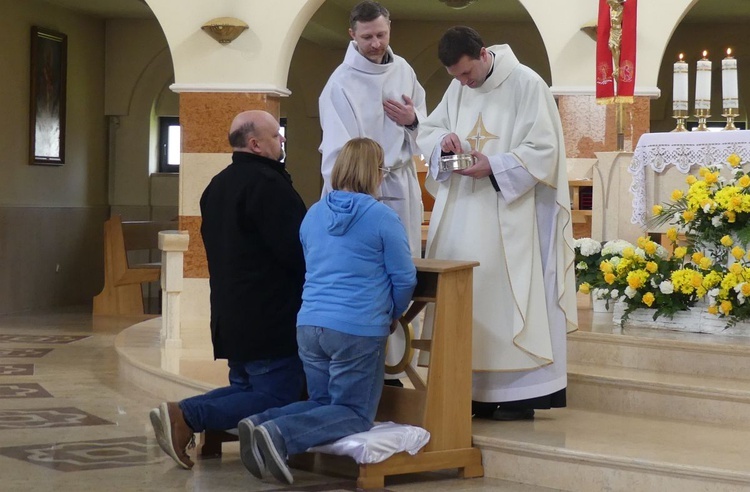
(393, 382)
(507, 415)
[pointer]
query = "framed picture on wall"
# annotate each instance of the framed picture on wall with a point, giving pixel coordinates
(49, 51)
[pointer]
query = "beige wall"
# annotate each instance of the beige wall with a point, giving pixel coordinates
(138, 70)
(51, 216)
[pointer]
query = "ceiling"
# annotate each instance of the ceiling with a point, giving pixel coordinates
(327, 27)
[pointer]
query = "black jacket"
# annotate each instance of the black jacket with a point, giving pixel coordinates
(251, 219)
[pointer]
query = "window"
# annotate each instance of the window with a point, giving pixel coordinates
(169, 144)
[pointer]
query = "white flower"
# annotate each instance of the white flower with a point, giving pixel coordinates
(582, 266)
(599, 293)
(614, 293)
(737, 171)
(740, 299)
(721, 180)
(630, 292)
(654, 284)
(615, 247)
(713, 292)
(615, 260)
(587, 246)
(738, 288)
(662, 252)
(716, 220)
(707, 208)
(666, 287)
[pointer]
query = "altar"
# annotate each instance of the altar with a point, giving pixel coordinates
(682, 151)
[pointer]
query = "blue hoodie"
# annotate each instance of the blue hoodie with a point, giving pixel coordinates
(360, 274)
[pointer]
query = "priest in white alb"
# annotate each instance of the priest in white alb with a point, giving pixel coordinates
(374, 93)
(510, 211)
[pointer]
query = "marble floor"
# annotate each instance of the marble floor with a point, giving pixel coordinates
(69, 421)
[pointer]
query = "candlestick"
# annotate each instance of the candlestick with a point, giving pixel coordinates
(703, 91)
(729, 91)
(680, 94)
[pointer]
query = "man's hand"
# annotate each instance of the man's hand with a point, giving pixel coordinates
(403, 114)
(451, 143)
(394, 325)
(480, 169)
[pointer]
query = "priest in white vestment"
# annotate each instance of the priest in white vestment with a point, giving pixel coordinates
(511, 212)
(374, 93)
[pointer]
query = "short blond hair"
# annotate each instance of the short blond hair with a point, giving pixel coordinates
(357, 167)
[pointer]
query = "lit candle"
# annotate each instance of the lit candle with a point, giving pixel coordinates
(680, 86)
(703, 83)
(729, 91)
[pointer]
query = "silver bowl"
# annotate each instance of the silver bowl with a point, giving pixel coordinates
(456, 162)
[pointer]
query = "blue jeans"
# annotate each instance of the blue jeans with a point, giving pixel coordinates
(254, 386)
(344, 380)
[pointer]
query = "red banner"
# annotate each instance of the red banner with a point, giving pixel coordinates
(615, 50)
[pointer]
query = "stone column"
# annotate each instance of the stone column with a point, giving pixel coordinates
(205, 118)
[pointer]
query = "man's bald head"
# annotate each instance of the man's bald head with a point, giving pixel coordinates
(256, 132)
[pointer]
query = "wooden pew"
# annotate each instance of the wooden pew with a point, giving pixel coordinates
(122, 293)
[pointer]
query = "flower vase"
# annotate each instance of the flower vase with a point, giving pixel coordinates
(695, 320)
(600, 305)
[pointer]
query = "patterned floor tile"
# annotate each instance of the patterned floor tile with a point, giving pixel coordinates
(28, 353)
(48, 417)
(56, 339)
(16, 369)
(23, 390)
(89, 455)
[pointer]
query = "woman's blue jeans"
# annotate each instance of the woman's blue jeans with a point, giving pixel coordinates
(344, 380)
(254, 386)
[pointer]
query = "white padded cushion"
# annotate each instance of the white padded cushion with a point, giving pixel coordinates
(379, 443)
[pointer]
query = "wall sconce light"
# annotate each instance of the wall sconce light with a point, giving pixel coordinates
(224, 29)
(590, 28)
(457, 4)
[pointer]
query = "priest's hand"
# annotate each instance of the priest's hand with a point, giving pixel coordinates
(451, 143)
(480, 169)
(403, 114)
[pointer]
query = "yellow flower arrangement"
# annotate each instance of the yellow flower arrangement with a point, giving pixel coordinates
(714, 216)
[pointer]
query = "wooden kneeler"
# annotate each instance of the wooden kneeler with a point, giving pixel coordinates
(441, 405)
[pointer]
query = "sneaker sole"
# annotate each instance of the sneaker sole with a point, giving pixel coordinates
(249, 452)
(155, 417)
(275, 463)
(167, 428)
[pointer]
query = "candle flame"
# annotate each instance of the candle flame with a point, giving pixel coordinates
(729, 51)
(705, 53)
(681, 56)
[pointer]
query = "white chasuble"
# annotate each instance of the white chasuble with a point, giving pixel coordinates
(524, 289)
(351, 105)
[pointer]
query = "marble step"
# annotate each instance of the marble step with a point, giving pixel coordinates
(663, 351)
(658, 394)
(585, 451)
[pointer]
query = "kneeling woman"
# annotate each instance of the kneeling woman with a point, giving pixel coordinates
(360, 278)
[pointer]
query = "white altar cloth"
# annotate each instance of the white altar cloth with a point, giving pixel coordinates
(683, 150)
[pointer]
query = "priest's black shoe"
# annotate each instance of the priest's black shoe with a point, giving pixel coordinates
(513, 414)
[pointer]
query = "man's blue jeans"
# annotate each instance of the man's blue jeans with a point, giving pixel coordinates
(254, 386)
(344, 380)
